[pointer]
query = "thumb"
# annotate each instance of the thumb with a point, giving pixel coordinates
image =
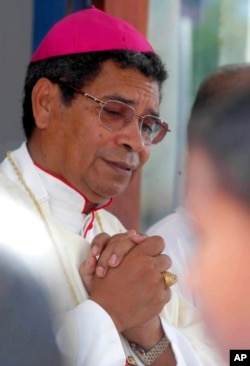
(138, 238)
(87, 271)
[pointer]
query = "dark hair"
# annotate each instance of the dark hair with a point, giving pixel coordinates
(220, 123)
(224, 136)
(218, 85)
(79, 69)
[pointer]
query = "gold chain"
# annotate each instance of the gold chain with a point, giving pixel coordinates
(45, 221)
(98, 219)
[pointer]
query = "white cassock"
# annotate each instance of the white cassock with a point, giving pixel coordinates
(45, 226)
(180, 245)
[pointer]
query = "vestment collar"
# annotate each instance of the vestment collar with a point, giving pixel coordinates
(66, 204)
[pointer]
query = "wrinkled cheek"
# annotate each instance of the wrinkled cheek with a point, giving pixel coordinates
(144, 155)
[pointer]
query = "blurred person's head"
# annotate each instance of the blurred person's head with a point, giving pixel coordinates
(218, 199)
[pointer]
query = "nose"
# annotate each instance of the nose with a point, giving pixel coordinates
(131, 137)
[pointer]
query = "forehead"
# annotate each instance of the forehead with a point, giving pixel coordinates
(129, 83)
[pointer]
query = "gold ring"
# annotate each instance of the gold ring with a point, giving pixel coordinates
(169, 278)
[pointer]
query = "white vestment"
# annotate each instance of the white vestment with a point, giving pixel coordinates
(52, 238)
(179, 245)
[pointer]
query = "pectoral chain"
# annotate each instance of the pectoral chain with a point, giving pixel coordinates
(72, 290)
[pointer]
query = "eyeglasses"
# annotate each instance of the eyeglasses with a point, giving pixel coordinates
(115, 115)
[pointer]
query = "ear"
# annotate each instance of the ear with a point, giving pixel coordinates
(43, 96)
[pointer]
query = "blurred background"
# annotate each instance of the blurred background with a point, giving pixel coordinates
(192, 36)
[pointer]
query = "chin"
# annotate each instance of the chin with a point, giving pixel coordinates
(114, 190)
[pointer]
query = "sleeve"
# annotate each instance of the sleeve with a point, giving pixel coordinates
(185, 355)
(87, 336)
(187, 324)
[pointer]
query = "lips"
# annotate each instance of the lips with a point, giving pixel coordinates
(122, 166)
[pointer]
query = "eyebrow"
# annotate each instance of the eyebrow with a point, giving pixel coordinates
(130, 102)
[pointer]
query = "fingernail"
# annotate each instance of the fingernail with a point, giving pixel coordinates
(94, 250)
(90, 259)
(100, 271)
(113, 260)
(131, 232)
(141, 235)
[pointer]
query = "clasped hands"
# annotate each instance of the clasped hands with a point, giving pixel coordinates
(124, 275)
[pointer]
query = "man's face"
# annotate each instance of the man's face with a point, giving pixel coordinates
(76, 147)
(220, 273)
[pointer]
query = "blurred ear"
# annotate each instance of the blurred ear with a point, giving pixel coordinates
(43, 97)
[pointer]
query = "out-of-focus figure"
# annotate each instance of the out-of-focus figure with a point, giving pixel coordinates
(175, 228)
(26, 337)
(218, 200)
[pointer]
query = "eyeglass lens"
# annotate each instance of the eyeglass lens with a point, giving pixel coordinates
(116, 115)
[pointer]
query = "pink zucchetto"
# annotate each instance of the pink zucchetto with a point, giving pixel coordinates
(87, 31)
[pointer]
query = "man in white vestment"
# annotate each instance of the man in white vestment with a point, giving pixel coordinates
(90, 115)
